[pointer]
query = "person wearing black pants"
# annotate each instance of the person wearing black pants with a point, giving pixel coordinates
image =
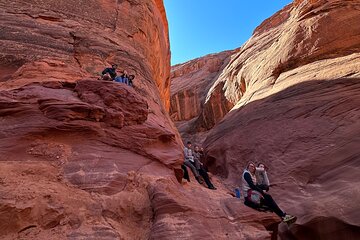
(249, 183)
(206, 178)
(186, 173)
(201, 169)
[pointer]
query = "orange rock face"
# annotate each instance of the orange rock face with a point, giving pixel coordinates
(86, 159)
(78, 154)
(72, 40)
(73, 149)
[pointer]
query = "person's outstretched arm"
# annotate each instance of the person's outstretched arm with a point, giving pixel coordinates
(248, 179)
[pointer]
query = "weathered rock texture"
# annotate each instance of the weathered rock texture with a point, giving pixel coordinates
(295, 86)
(86, 159)
(77, 156)
(77, 39)
(190, 84)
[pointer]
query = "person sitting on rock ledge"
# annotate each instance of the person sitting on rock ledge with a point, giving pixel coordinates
(186, 173)
(131, 78)
(201, 169)
(190, 162)
(262, 179)
(256, 198)
(123, 78)
(109, 74)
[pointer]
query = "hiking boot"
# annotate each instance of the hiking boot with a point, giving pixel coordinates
(212, 188)
(289, 219)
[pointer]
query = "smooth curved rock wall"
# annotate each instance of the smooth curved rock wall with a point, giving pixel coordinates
(298, 115)
(78, 154)
(293, 91)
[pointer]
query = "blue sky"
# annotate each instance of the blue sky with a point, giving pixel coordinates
(200, 27)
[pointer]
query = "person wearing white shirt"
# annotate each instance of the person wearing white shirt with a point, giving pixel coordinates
(190, 162)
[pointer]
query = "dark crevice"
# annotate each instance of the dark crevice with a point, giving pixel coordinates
(26, 228)
(242, 86)
(322, 228)
(76, 44)
(116, 16)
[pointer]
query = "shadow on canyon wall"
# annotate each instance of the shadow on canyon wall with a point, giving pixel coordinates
(300, 101)
(309, 136)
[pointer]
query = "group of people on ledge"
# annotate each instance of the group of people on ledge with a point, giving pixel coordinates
(255, 182)
(193, 160)
(255, 187)
(110, 74)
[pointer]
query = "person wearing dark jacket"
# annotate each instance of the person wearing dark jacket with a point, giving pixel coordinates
(131, 78)
(189, 161)
(109, 72)
(202, 159)
(200, 167)
(249, 185)
(186, 173)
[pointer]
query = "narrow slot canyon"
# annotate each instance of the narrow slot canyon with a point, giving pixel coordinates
(87, 155)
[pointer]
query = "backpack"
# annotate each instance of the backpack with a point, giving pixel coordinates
(254, 197)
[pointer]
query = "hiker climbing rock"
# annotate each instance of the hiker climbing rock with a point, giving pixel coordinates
(256, 198)
(109, 74)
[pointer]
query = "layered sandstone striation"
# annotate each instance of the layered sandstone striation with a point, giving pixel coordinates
(196, 212)
(83, 160)
(294, 92)
(77, 155)
(190, 83)
(87, 159)
(295, 86)
(75, 40)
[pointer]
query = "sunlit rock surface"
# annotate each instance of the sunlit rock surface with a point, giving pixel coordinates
(190, 85)
(52, 40)
(85, 159)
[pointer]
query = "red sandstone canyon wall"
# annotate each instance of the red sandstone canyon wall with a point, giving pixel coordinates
(77, 154)
(293, 91)
(74, 40)
(190, 85)
(86, 159)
